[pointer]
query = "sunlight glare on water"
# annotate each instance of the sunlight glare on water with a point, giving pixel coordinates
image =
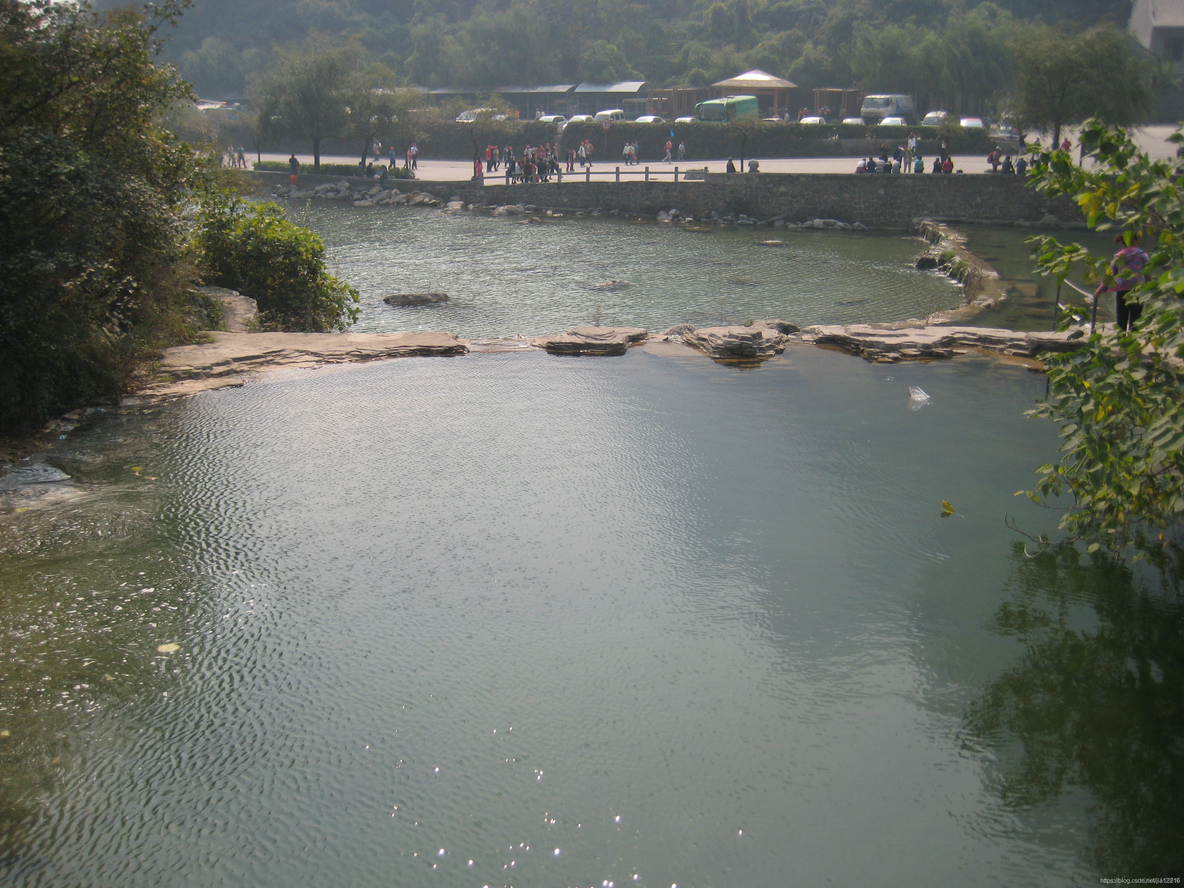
(517, 619)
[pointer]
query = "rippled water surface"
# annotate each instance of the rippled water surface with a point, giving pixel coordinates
(533, 621)
(505, 277)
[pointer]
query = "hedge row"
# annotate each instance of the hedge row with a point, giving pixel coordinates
(327, 169)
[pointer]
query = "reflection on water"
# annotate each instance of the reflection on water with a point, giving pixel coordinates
(1095, 702)
(537, 621)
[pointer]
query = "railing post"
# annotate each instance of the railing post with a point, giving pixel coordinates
(588, 174)
(676, 174)
(647, 173)
(618, 174)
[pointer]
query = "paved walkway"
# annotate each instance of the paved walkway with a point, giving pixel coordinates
(1151, 139)
(462, 171)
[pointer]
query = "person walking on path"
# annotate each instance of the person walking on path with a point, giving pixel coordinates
(669, 148)
(682, 151)
(1126, 272)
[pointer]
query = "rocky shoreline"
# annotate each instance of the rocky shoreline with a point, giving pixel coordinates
(230, 359)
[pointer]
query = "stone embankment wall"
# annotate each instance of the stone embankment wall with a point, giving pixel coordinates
(877, 200)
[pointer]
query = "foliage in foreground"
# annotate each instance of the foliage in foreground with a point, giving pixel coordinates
(252, 248)
(89, 192)
(1118, 399)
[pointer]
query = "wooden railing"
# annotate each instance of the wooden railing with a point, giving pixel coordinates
(613, 174)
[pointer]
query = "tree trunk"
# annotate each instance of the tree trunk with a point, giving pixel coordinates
(316, 155)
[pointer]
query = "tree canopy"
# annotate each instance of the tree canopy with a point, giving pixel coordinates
(97, 263)
(89, 192)
(953, 54)
(1118, 399)
(1063, 79)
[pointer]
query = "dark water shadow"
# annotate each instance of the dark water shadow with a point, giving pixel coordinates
(1095, 703)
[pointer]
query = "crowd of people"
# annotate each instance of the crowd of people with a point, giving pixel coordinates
(907, 158)
(535, 164)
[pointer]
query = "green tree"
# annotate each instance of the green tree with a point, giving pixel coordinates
(90, 186)
(435, 55)
(510, 46)
(1118, 399)
(256, 250)
(1062, 79)
(406, 107)
(373, 106)
(305, 92)
(604, 63)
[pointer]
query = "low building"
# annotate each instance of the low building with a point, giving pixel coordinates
(774, 93)
(1158, 26)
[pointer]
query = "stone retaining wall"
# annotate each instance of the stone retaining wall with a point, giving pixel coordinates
(878, 200)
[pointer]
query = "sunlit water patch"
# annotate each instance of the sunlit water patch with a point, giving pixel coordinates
(534, 621)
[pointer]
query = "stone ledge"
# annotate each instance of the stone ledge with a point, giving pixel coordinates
(591, 341)
(890, 345)
(222, 362)
(756, 341)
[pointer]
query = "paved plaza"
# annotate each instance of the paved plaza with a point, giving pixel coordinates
(1152, 139)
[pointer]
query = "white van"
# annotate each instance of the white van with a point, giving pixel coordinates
(616, 115)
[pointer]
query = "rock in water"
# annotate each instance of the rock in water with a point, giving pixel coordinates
(415, 298)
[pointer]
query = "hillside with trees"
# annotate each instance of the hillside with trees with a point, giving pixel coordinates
(948, 52)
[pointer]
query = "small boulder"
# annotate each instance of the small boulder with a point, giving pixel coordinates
(591, 341)
(401, 299)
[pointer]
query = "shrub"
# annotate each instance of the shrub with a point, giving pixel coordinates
(332, 169)
(89, 191)
(252, 248)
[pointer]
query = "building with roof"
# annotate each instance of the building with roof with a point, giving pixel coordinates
(1158, 25)
(628, 95)
(774, 93)
(529, 100)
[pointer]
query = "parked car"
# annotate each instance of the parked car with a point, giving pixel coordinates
(650, 118)
(475, 113)
(852, 121)
(812, 120)
(893, 121)
(580, 118)
(558, 119)
(972, 123)
(613, 114)
(935, 118)
(686, 120)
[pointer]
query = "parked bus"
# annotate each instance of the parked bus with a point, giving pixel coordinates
(727, 109)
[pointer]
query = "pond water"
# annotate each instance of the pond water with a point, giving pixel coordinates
(514, 619)
(505, 277)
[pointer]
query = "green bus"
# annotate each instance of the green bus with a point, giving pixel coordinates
(727, 109)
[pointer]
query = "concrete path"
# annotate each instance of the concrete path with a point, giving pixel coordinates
(1152, 139)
